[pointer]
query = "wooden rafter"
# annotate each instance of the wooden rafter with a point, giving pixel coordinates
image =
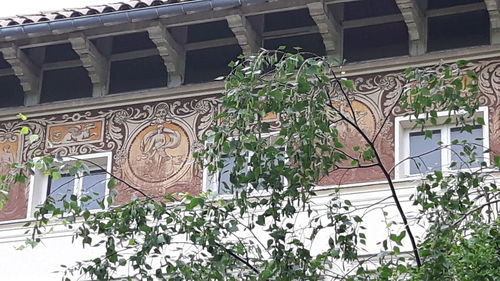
(414, 18)
(493, 7)
(173, 53)
(328, 27)
(249, 39)
(93, 61)
(25, 70)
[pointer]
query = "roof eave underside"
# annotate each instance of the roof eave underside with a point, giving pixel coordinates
(12, 32)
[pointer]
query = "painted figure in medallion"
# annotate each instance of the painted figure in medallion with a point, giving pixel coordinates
(154, 147)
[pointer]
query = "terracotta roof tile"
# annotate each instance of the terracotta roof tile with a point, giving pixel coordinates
(89, 10)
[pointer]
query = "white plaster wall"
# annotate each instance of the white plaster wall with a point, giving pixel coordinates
(41, 262)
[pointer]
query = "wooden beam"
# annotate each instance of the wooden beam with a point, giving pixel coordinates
(173, 54)
(93, 61)
(26, 71)
(372, 21)
(459, 9)
(134, 55)
(283, 5)
(296, 31)
(249, 39)
(417, 25)
(211, 43)
(6, 72)
(328, 27)
(61, 65)
(493, 7)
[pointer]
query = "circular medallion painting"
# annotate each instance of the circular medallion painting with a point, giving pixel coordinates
(159, 152)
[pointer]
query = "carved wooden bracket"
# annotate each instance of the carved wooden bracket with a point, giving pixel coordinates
(415, 21)
(173, 53)
(25, 70)
(249, 40)
(94, 62)
(493, 7)
(328, 27)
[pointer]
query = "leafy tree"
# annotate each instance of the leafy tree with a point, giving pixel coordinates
(269, 226)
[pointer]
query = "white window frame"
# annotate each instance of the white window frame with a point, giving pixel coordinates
(403, 126)
(39, 183)
(213, 185)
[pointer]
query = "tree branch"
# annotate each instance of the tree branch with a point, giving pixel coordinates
(390, 182)
(475, 210)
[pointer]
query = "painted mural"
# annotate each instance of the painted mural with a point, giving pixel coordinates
(157, 154)
(152, 143)
(75, 132)
(10, 151)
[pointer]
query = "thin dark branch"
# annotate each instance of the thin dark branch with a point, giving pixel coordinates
(232, 254)
(387, 117)
(357, 167)
(390, 182)
(475, 210)
(346, 97)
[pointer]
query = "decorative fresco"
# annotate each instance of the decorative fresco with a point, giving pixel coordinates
(10, 151)
(75, 133)
(157, 154)
(364, 117)
(152, 143)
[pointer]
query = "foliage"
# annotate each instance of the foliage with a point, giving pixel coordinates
(265, 229)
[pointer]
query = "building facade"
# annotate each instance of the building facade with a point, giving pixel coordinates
(130, 87)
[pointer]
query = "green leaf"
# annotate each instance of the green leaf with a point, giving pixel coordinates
(261, 220)
(496, 160)
(462, 63)
(349, 84)
(24, 130)
(280, 142)
(112, 183)
(303, 86)
(33, 138)
(22, 116)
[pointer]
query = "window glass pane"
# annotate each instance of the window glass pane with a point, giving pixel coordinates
(94, 186)
(225, 172)
(459, 152)
(61, 188)
(281, 156)
(419, 145)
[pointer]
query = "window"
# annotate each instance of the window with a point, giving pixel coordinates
(448, 148)
(89, 186)
(220, 182)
